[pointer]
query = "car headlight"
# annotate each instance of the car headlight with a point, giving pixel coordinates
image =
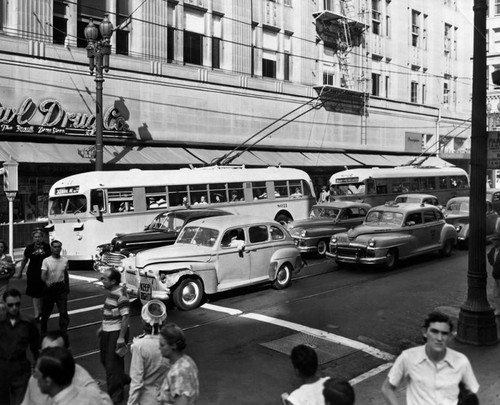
(458, 228)
(333, 239)
(303, 233)
(163, 278)
(121, 269)
(371, 243)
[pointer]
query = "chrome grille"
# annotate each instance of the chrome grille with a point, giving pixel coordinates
(353, 252)
(113, 258)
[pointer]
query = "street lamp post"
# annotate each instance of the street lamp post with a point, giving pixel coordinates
(98, 51)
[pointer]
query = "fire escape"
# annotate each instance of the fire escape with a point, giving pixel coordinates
(339, 30)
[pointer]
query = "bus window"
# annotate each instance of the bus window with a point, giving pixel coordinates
(156, 197)
(176, 195)
(462, 181)
(453, 182)
(259, 190)
(281, 188)
(218, 193)
(120, 199)
(382, 189)
(443, 182)
(198, 194)
(306, 188)
(236, 192)
(97, 199)
(414, 185)
(370, 186)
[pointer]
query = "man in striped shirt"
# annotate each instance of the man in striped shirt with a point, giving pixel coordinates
(113, 335)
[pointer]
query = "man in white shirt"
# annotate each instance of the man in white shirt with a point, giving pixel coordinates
(55, 276)
(433, 371)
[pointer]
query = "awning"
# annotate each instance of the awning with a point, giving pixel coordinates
(209, 155)
(30, 152)
(330, 159)
(399, 160)
(275, 158)
(370, 160)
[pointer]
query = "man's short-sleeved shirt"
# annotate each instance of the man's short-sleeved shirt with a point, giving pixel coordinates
(55, 268)
(430, 383)
(115, 307)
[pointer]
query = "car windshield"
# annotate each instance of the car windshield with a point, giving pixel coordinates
(167, 221)
(458, 206)
(384, 218)
(68, 205)
(322, 212)
(198, 236)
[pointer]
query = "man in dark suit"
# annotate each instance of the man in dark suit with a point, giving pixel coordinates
(494, 260)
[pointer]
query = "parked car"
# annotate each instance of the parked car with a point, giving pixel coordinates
(393, 232)
(213, 255)
(328, 218)
(162, 231)
(457, 214)
(493, 195)
(417, 198)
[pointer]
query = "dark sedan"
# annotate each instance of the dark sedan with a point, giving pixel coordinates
(162, 231)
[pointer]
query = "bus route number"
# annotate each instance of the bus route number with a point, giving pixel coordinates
(282, 205)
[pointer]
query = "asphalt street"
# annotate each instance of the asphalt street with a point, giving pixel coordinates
(358, 319)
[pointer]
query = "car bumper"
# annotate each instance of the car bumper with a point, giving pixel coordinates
(353, 254)
(306, 245)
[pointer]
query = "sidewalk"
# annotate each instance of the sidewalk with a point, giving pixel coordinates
(485, 362)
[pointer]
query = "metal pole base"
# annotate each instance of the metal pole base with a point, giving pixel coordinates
(477, 327)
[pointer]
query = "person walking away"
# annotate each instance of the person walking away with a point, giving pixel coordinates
(33, 256)
(113, 334)
(55, 276)
(494, 261)
(305, 363)
(33, 396)
(7, 267)
(420, 367)
(180, 385)
(147, 369)
(54, 372)
(338, 392)
(17, 334)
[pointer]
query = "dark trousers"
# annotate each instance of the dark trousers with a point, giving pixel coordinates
(13, 381)
(116, 379)
(55, 294)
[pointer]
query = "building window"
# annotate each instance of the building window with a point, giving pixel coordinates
(193, 48)
(270, 48)
(446, 93)
(216, 42)
(387, 86)
(375, 84)
(59, 23)
(415, 27)
(328, 75)
(425, 32)
(496, 40)
(287, 48)
(376, 17)
(122, 20)
(497, 7)
(329, 5)
(447, 39)
(287, 3)
(94, 9)
(170, 44)
(414, 92)
(424, 95)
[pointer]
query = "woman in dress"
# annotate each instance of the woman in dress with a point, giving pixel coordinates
(7, 268)
(180, 386)
(35, 253)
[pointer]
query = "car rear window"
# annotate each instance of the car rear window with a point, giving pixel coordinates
(258, 234)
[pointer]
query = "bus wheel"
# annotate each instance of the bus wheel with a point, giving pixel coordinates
(321, 248)
(391, 259)
(283, 277)
(283, 219)
(188, 294)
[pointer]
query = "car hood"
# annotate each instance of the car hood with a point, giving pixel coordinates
(147, 234)
(311, 223)
(173, 253)
(370, 230)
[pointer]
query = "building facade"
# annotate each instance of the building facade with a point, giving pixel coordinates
(314, 84)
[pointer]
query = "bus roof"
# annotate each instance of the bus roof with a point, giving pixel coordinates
(358, 175)
(205, 175)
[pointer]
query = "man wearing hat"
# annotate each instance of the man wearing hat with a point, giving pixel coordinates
(494, 260)
(148, 367)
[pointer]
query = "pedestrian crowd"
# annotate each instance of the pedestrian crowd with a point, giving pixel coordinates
(38, 368)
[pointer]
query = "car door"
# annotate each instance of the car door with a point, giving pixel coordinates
(433, 221)
(261, 251)
(414, 226)
(233, 260)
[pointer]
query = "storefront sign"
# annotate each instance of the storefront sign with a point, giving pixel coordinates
(49, 117)
(413, 142)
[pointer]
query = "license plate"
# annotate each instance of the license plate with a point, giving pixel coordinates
(145, 287)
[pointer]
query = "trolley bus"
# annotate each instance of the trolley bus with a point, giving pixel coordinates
(378, 185)
(88, 209)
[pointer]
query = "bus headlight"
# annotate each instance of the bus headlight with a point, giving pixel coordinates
(371, 243)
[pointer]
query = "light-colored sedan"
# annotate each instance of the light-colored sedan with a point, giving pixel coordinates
(392, 232)
(213, 255)
(326, 219)
(457, 214)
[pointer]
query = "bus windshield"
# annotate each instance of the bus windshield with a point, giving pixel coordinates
(74, 204)
(198, 236)
(348, 189)
(384, 218)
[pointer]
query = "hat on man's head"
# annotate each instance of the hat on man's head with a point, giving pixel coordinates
(495, 236)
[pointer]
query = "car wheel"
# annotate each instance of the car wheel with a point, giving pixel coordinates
(188, 294)
(447, 248)
(391, 259)
(283, 219)
(321, 248)
(283, 277)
